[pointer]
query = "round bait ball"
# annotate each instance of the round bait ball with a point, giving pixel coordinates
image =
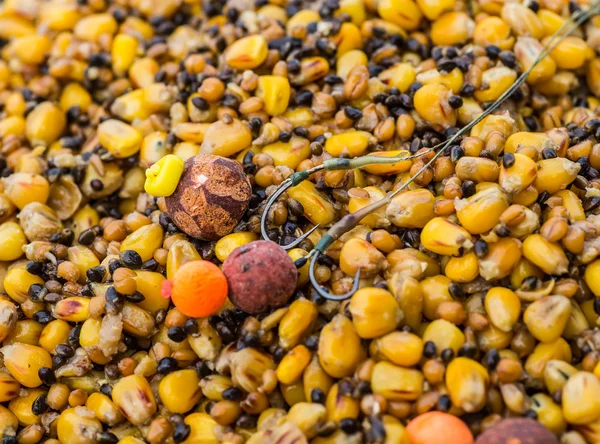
(517, 430)
(198, 289)
(211, 197)
(260, 275)
(436, 427)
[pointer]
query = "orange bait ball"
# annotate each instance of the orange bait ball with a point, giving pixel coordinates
(198, 289)
(438, 428)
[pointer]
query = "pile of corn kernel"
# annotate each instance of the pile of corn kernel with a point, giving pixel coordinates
(480, 284)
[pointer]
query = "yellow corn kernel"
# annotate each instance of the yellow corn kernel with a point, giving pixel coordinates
(142, 71)
(339, 347)
(462, 269)
(120, 139)
(24, 188)
(134, 398)
(17, 282)
(83, 258)
(352, 143)
(519, 176)
(396, 383)
(275, 93)
(23, 362)
(131, 106)
(104, 409)
(502, 257)
(481, 212)
(560, 84)
(301, 19)
(548, 413)
(13, 241)
(400, 76)
(74, 426)
(12, 126)
(393, 168)
(355, 9)
(226, 139)
(75, 95)
(54, 333)
(185, 150)
(377, 218)
(26, 331)
(317, 207)
(73, 309)
(522, 20)
(289, 154)
(570, 53)
(348, 38)
(349, 60)
(180, 391)
(452, 28)
(477, 169)
(30, 49)
(444, 237)
(292, 365)
(444, 335)
(44, 124)
(453, 80)
(431, 103)
(521, 139)
(296, 322)
(401, 348)
(145, 240)
(432, 9)
(295, 254)
(247, 53)
(8, 318)
(581, 398)
(405, 14)
(545, 352)
(434, 291)
(153, 148)
(593, 76)
(573, 205)
(123, 53)
(315, 377)
(201, 429)
(503, 307)
(527, 50)
(592, 277)
(546, 318)
(301, 116)
(9, 388)
(375, 312)
(59, 16)
(496, 80)
(551, 21)
(555, 174)
(93, 26)
(21, 407)
(180, 252)
(149, 284)
(412, 209)
(466, 382)
(340, 406)
(227, 244)
(493, 30)
(89, 339)
(163, 176)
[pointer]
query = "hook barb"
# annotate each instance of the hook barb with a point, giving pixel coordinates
(300, 239)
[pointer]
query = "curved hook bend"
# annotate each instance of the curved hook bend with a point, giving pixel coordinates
(324, 293)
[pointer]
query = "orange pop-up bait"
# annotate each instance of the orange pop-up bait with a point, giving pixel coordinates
(198, 289)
